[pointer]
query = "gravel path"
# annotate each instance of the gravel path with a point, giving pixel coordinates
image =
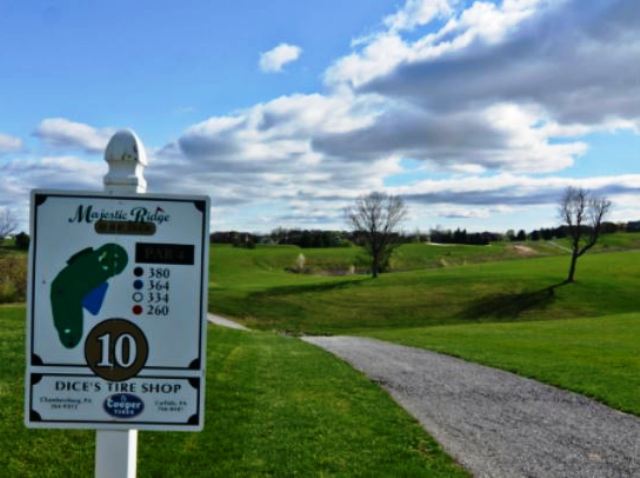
(216, 319)
(495, 423)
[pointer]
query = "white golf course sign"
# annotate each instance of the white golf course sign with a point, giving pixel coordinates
(117, 311)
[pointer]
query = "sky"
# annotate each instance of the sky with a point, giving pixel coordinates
(478, 113)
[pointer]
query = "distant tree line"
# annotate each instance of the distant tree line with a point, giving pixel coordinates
(315, 238)
(461, 236)
(560, 232)
(236, 238)
(304, 238)
(20, 240)
(309, 238)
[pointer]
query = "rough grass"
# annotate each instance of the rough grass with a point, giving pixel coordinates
(13, 273)
(611, 242)
(269, 298)
(407, 257)
(275, 406)
(598, 357)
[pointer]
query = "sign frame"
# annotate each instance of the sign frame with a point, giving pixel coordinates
(194, 373)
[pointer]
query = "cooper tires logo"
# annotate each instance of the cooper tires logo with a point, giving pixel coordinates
(123, 405)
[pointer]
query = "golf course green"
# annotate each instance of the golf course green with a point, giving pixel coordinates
(278, 407)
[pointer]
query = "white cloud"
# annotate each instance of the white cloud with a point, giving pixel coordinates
(21, 175)
(381, 53)
(278, 130)
(327, 149)
(315, 153)
(495, 85)
(509, 190)
(499, 96)
(575, 61)
(417, 12)
(63, 133)
(273, 60)
(505, 137)
(265, 153)
(9, 144)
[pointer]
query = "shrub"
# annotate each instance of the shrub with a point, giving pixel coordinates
(13, 279)
(22, 241)
(246, 241)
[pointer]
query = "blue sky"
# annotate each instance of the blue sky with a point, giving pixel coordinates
(478, 113)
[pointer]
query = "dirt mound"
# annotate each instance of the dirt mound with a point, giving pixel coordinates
(524, 251)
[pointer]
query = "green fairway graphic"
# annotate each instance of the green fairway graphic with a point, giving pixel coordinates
(83, 283)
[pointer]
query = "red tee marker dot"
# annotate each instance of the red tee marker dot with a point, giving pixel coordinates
(137, 309)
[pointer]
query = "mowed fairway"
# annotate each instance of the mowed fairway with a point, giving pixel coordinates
(275, 407)
(584, 336)
(263, 295)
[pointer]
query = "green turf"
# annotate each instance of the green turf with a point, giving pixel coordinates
(501, 313)
(275, 406)
(323, 261)
(426, 256)
(611, 242)
(267, 297)
(8, 247)
(13, 272)
(599, 357)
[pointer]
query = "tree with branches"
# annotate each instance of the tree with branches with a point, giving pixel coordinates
(582, 212)
(375, 218)
(8, 223)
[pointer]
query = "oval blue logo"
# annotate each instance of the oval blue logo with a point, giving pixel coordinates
(123, 405)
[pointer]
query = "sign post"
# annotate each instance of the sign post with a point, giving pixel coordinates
(117, 450)
(117, 310)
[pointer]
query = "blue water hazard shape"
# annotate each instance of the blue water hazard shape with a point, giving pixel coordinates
(93, 300)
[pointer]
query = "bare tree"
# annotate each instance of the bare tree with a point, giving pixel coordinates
(583, 213)
(8, 223)
(376, 216)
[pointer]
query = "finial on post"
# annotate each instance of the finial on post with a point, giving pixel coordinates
(126, 157)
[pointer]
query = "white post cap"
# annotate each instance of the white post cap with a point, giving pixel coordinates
(126, 157)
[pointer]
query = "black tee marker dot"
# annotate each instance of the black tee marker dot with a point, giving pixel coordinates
(138, 271)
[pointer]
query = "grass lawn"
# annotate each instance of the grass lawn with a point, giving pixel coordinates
(231, 262)
(612, 242)
(267, 297)
(598, 357)
(275, 407)
(13, 272)
(584, 336)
